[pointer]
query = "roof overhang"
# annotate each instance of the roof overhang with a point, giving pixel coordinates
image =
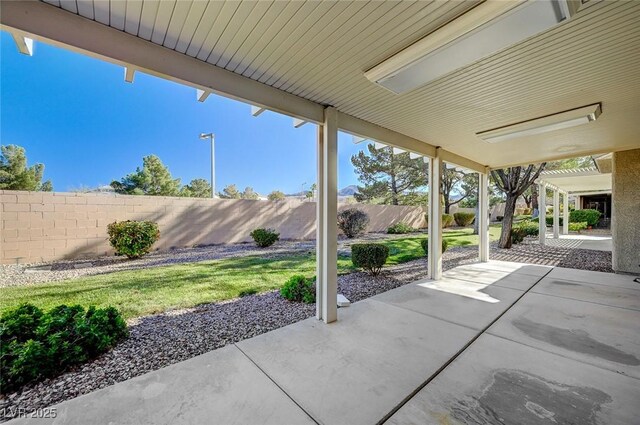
(577, 180)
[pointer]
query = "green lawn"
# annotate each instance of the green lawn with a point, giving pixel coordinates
(146, 291)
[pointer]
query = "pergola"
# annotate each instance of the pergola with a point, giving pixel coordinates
(328, 63)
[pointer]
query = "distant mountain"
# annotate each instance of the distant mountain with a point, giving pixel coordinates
(348, 191)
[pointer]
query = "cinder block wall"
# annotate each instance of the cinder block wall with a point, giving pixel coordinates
(39, 226)
(625, 208)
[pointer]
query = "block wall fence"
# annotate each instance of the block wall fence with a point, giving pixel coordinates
(41, 226)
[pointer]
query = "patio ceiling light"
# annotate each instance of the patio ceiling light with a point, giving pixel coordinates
(545, 124)
(484, 30)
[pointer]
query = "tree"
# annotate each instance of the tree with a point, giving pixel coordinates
(249, 193)
(276, 195)
(457, 182)
(16, 175)
(387, 177)
(152, 179)
(513, 182)
(309, 194)
(230, 192)
(197, 188)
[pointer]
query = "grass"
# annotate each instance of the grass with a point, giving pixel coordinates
(147, 291)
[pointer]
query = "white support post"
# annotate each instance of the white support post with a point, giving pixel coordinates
(434, 270)
(483, 215)
(556, 214)
(565, 214)
(327, 211)
(542, 213)
(24, 44)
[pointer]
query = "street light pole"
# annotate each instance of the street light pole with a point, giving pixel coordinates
(205, 136)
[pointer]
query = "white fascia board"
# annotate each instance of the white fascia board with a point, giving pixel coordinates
(357, 127)
(24, 44)
(67, 30)
(202, 95)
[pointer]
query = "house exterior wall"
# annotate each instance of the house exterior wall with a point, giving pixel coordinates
(625, 228)
(37, 226)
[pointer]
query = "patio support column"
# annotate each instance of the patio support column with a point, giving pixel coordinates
(556, 214)
(434, 259)
(326, 220)
(483, 215)
(542, 213)
(565, 214)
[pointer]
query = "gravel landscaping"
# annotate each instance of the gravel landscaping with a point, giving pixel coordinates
(160, 340)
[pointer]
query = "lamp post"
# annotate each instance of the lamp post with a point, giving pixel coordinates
(205, 136)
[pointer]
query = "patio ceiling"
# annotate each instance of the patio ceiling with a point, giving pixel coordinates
(319, 51)
(578, 180)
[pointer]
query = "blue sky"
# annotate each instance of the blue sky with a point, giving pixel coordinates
(76, 115)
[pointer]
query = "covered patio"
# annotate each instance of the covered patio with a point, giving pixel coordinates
(490, 342)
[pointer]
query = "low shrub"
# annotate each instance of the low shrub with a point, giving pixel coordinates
(265, 237)
(352, 222)
(246, 292)
(591, 217)
(299, 289)
(447, 220)
(517, 235)
(132, 238)
(400, 228)
(576, 227)
(523, 229)
(36, 345)
(425, 245)
(549, 220)
(369, 256)
(464, 219)
(527, 211)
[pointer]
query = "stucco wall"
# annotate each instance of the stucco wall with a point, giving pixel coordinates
(625, 208)
(40, 226)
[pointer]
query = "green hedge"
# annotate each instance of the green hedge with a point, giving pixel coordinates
(464, 219)
(369, 256)
(591, 217)
(300, 289)
(576, 227)
(425, 245)
(132, 238)
(35, 345)
(400, 228)
(523, 229)
(265, 237)
(549, 220)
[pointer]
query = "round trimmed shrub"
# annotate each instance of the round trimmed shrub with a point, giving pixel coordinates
(265, 237)
(352, 222)
(400, 228)
(369, 256)
(447, 220)
(425, 245)
(36, 345)
(299, 289)
(133, 238)
(591, 217)
(464, 219)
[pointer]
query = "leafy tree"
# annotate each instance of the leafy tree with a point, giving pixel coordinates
(387, 177)
(276, 195)
(230, 192)
(197, 188)
(457, 182)
(153, 179)
(249, 193)
(16, 175)
(513, 182)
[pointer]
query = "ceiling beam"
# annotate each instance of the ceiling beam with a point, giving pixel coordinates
(129, 74)
(461, 161)
(256, 110)
(56, 26)
(24, 44)
(202, 95)
(297, 122)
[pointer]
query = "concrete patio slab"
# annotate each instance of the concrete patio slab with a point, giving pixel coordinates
(589, 292)
(222, 386)
(519, 281)
(600, 278)
(453, 302)
(511, 267)
(600, 335)
(355, 371)
(496, 381)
